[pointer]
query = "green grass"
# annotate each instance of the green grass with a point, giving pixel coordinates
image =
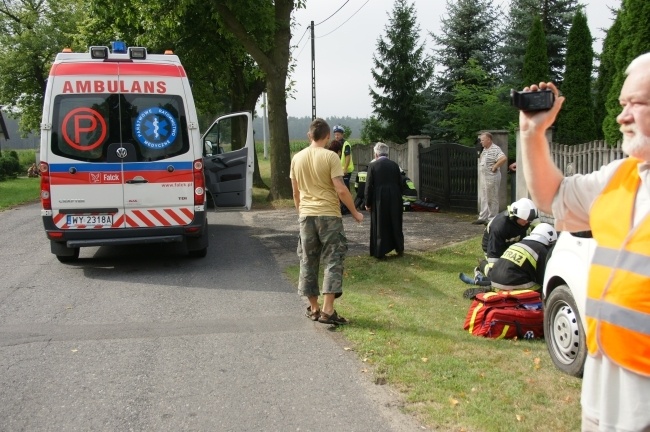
(19, 191)
(407, 327)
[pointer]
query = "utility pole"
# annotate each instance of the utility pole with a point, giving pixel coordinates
(313, 74)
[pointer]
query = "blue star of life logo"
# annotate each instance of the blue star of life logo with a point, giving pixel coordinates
(155, 128)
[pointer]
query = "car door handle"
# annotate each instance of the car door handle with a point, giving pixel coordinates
(137, 179)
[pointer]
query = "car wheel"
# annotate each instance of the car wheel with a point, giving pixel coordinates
(69, 258)
(565, 337)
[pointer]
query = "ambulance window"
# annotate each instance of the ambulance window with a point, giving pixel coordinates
(82, 125)
(158, 126)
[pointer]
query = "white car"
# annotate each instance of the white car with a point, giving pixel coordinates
(564, 293)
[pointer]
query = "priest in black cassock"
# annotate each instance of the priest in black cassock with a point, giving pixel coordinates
(383, 196)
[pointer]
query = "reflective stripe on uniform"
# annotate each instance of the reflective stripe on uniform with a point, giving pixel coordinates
(619, 316)
(625, 260)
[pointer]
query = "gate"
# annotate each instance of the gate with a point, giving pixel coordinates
(448, 176)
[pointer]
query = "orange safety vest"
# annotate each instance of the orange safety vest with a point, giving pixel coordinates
(618, 296)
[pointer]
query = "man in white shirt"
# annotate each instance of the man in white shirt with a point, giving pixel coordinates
(614, 203)
(490, 162)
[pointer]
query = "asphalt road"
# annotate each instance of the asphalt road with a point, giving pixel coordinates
(145, 339)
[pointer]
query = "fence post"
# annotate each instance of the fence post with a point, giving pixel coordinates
(414, 142)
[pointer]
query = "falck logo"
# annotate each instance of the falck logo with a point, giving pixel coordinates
(121, 152)
(95, 178)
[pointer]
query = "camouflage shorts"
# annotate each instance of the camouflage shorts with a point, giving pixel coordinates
(322, 238)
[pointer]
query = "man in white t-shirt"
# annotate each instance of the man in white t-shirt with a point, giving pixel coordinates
(614, 203)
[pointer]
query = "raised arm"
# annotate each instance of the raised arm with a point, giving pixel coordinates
(543, 178)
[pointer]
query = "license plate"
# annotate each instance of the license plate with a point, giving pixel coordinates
(105, 220)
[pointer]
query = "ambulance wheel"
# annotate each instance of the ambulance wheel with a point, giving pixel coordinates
(563, 331)
(198, 247)
(69, 258)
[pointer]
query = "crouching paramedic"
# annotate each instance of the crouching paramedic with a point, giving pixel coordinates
(523, 264)
(505, 229)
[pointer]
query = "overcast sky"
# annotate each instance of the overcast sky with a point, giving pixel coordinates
(346, 42)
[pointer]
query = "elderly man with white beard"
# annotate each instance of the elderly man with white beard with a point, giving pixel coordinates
(614, 203)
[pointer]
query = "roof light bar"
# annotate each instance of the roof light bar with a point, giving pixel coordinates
(118, 47)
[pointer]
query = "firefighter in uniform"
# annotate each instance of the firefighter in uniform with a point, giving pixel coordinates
(522, 265)
(504, 229)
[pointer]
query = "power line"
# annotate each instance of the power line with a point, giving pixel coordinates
(303, 35)
(301, 49)
(326, 34)
(332, 14)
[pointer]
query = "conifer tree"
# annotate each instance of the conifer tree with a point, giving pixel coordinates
(469, 31)
(634, 40)
(575, 123)
(556, 16)
(535, 67)
(606, 71)
(401, 72)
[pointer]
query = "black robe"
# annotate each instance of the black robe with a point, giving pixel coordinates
(383, 195)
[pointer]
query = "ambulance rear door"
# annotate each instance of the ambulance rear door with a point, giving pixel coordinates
(155, 147)
(229, 161)
(85, 181)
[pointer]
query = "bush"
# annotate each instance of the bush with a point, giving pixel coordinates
(9, 167)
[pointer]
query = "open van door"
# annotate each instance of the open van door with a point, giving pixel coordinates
(229, 161)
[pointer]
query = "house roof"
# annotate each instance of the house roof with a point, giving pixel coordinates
(3, 128)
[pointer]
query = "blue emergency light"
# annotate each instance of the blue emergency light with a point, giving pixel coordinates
(118, 47)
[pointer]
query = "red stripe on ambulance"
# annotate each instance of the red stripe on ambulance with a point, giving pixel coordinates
(114, 69)
(174, 216)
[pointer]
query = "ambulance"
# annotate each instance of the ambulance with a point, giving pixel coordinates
(122, 159)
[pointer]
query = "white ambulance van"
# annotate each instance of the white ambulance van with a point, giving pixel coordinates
(122, 160)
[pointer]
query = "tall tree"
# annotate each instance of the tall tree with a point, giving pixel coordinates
(606, 72)
(401, 72)
(635, 40)
(556, 17)
(575, 123)
(269, 46)
(469, 30)
(535, 67)
(31, 33)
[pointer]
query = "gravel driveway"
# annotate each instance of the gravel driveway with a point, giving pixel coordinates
(423, 231)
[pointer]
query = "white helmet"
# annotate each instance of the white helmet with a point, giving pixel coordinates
(524, 208)
(544, 233)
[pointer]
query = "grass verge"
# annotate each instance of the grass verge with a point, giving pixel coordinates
(407, 327)
(19, 191)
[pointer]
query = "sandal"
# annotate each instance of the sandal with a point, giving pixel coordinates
(312, 315)
(335, 319)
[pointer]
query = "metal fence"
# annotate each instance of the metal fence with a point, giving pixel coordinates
(584, 158)
(362, 154)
